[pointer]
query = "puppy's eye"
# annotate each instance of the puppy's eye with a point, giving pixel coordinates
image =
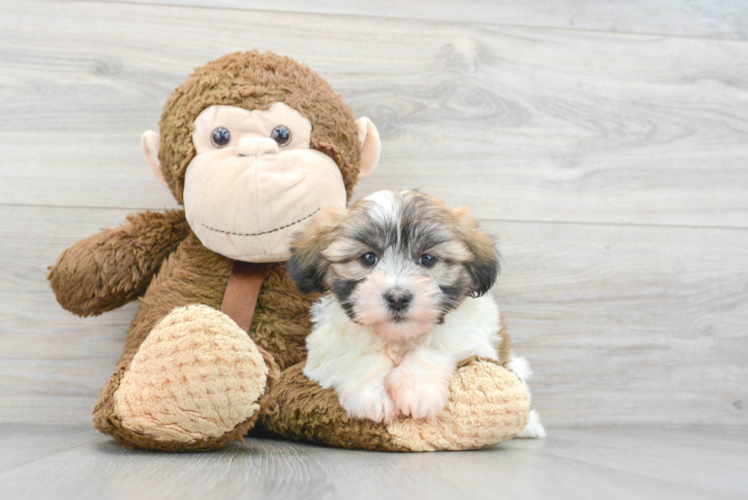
(368, 259)
(220, 137)
(281, 135)
(427, 260)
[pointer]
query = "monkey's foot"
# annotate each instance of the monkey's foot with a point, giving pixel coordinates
(488, 404)
(195, 383)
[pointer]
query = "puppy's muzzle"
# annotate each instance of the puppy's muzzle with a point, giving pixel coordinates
(398, 300)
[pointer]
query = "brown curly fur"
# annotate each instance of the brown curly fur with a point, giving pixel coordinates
(304, 411)
(114, 267)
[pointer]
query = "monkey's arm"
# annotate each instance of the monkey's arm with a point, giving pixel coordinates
(110, 269)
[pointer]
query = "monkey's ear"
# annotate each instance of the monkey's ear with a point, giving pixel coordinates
(371, 147)
(150, 143)
(484, 267)
(306, 266)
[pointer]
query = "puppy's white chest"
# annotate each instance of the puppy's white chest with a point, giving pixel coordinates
(340, 350)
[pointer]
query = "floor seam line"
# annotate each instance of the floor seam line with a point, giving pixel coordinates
(3, 471)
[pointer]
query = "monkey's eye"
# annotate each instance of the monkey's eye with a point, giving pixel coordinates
(220, 137)
(281, 135)
(368, 259)
(427, 260)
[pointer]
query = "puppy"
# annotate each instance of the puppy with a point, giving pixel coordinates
(405, 278)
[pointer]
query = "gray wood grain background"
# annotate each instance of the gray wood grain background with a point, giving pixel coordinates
(606, 145)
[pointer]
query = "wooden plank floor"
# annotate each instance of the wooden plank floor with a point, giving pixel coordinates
(605, 145)
(42, 462)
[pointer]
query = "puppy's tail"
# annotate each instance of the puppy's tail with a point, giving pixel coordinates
(534, 429)
(521, 367)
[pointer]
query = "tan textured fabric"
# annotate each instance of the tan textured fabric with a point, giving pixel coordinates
(488, 405)
(196, 376)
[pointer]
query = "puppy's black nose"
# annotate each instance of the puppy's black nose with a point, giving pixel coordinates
(398, 301)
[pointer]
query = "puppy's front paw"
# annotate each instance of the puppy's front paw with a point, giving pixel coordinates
(368, 401)
(416, 394)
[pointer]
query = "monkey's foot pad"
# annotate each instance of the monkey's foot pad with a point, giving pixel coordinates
(488, 405)
(197, 376)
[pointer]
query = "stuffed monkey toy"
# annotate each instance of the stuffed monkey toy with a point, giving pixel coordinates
(252, 145)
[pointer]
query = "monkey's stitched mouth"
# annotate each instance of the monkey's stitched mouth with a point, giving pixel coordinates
(233, 233)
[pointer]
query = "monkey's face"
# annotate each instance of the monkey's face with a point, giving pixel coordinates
(255, 179)
(271, 144)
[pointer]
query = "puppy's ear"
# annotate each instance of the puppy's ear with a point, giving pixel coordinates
(306, 266)
(484, 267)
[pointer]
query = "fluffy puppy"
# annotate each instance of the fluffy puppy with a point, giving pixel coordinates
(405, 278)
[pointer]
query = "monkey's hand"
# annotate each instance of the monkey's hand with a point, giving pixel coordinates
(110, 269)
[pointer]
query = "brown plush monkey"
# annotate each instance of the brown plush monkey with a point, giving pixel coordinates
(252, 144)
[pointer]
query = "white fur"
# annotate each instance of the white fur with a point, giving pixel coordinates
(385, 206)
(379, 379)
(521, 367)
(534, 429)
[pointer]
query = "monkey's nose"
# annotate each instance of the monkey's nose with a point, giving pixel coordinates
(398, 301)
(254, 146)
